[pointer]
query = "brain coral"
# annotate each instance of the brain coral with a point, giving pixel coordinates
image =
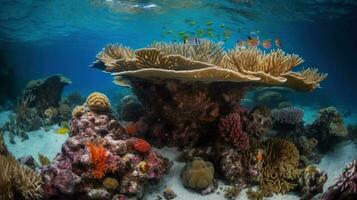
(98, 102)
(198, 174)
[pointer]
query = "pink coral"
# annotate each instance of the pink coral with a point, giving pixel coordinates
(231, 129)
(346, 185)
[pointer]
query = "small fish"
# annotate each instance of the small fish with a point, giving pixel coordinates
(278, 43)
(132, 128)
(62, 131)
(267, 44)
(193, 41)
(260, 155)
(254, 42)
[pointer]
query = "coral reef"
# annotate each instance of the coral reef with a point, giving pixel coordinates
(17, 181)
(311, 182)
(328, 128)
(345, 186)
(100, 161)
(98, 102)
(46, 92)
(198, 174)
(230, 128)
(289, 116)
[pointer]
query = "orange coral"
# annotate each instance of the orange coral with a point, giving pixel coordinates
(142, 146)
(99, 160)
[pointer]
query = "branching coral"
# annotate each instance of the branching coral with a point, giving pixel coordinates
(98, 102)
(230, 128)
(99, 156)
(17, 181)
(280, 168)
(346, 185)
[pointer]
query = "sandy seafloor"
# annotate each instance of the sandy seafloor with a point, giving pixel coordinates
(49, 144)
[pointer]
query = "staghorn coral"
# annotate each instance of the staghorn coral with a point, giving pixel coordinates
(328, 128)
(98, 102)
(198, 174)
(230, 128)
(17, 181)
(279, 173)
(345, 186)
(208, 62)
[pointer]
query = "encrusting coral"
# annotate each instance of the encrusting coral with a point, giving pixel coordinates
(98, 102)
(17, 181)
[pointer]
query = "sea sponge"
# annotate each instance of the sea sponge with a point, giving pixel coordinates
(280, 168)
(142, 146)
(198, 174)
(110, 183)
(17, 181)
(98, 102)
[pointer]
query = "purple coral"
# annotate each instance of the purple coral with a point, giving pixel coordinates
(346, 185)
(288, 115)
(231, 129)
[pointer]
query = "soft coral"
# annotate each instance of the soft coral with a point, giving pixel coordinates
(100, 159)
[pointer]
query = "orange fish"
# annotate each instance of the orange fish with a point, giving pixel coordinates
(260, 155)
(267, 44)
(132, 128)
(278, 43)
(254, 42)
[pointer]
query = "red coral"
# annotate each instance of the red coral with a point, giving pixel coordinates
(230, 128)
(142, 146)
(100, 159)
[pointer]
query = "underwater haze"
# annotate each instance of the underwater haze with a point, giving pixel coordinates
(194, 99)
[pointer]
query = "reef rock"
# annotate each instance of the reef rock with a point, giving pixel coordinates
(46, 92)
(100, 161)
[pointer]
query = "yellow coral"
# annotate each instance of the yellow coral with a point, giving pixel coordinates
(110, 183)
(280, 168)
(78, 111)
(198, 174)
(98, 102)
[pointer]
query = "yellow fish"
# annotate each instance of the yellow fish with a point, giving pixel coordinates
(62, 131)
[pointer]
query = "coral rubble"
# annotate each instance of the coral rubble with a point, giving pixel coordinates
(100, 161)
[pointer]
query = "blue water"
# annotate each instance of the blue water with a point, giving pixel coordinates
(40, 38)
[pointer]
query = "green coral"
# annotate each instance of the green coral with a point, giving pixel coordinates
(280, 171)
(198, 174)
